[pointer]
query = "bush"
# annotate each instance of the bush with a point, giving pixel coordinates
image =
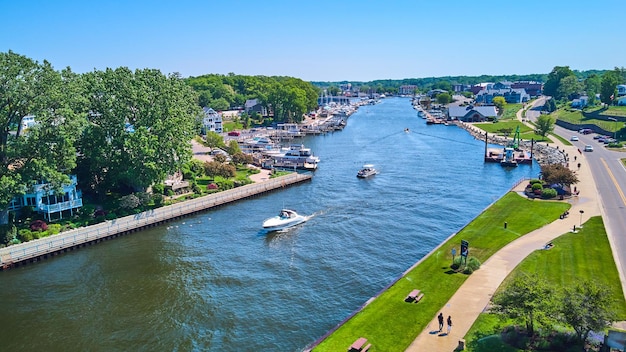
(537, 186)
(473, 263)
(25, 235)
(534, 180)
(111, 216)
(159, 188)
(38, 225)
(7, 233)
(615, 145)
(54, 229)
(548, 193)
(130, 201)
(157, 199)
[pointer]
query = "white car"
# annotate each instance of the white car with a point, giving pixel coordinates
(588, 148)
(574, 139)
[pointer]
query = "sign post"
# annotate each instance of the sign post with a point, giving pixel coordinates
(464, 250)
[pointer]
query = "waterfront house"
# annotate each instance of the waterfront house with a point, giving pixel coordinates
(472, 113)
(254, 105)
(45, 201)
(212, 121)
(408, 89)
(532, 88)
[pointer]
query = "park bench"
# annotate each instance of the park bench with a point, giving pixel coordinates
(414, 296)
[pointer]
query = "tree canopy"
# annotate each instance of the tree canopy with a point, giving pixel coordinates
(552, 84)
(140, 125)
(545, 125)
(46, 150)
(558, 174)
(608, 87)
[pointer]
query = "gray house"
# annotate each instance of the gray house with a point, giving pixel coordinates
(254, 105)
(472, 113)
(512, 96)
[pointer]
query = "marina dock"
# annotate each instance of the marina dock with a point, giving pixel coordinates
(37, 250)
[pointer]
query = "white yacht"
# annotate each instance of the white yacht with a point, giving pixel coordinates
(367, 171)
(285, 219)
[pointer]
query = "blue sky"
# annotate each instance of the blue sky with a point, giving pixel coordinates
(319, 40)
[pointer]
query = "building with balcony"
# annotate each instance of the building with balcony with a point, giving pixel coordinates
(45, 201)
(212, 121)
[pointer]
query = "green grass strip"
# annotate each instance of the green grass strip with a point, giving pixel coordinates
(390, 324)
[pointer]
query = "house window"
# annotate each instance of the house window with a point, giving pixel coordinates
(30, 201)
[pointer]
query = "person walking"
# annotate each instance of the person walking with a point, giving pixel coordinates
(440, 317)
(449, 324)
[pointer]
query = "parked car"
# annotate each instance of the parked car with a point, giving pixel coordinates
(588, 148)
(597, 136)
(574, 139)
(234, 133)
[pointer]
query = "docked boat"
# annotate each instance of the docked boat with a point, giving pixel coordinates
(285, 219)
(367, 171)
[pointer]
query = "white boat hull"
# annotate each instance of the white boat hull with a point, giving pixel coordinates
(279, 222)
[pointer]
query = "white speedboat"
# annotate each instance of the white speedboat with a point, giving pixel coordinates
(285, 219)
(367, 171)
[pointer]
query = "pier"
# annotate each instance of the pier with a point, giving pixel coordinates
(43, 248)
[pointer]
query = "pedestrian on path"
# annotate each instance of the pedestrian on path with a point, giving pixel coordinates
(449, 324)
(440, 317)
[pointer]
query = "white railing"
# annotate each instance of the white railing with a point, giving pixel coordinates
(33, 249)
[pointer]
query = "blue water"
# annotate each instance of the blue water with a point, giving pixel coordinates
(216, 282)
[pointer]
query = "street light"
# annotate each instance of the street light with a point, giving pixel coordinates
(581, 218)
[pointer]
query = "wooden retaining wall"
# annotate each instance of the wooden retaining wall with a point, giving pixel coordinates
(43, 248)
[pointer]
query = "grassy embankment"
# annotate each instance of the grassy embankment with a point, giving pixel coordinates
(390, 324)
(507, 128)
(575, 257)
(596, 116)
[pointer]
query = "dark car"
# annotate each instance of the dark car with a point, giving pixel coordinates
(234, 133)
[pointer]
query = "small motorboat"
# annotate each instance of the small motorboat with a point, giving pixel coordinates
(285, 219)
(407, 130)
(367, 171)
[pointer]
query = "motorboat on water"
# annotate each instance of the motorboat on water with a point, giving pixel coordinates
(367, 171)
(285, 219)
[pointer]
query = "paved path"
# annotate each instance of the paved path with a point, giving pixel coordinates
(474, 295)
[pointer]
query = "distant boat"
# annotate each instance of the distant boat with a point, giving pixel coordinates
(367, 171)
(407, 130)
(285, 219)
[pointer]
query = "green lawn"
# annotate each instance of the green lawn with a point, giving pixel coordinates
(585, 255)
(608, 111)
(576, 117)
(391, 324)
(501, 127)
(510, 111)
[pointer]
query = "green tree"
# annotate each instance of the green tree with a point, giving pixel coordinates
(333, 91)
(544, 125)
(527, 297)
(568, 86)
(608, 88)
(213, 140)
(140, 126)
(551, 86)
(499, 103)
(46, 150)
(557, 173)
(233, 147)
(587, 307)
(444, 98)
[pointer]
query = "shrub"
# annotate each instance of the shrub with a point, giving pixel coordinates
(25, 235)
(7, 233)
(534, 180)
(38, 225)
(130, 201)
(111, 216)
(158, 199)
(548, 193)
(99, 213)
(26, 212)
(87, 211)
(54, 229)
(468, 270)
(615, 145)
(537, 186)
(144, 198)
(473, 263)
(159, 188)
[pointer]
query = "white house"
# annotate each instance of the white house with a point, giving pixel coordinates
(212, 120)
(46, 201)
(580, 102)
(621, 90)
(28, 121)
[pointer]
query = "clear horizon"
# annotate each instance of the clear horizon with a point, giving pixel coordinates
(318, 41)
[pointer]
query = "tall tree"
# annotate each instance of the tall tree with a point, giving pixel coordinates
(608, 89)
(554, 80)
(527, 297)
(140, 127)
(46, 150)
(557, 173)
(587, 307)
(568, 87)
(545, 125)
(499, 102)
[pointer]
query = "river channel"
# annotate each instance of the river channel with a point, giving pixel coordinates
(215, 282)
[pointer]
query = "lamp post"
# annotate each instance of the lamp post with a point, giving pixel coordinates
(581, 218)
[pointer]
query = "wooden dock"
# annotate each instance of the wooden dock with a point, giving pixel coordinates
(43, 248)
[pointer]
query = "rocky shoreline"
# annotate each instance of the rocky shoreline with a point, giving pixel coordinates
(543, 153)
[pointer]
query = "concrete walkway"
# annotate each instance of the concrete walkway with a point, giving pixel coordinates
(473, 296)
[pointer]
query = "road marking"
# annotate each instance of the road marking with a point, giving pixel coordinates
(619, 190)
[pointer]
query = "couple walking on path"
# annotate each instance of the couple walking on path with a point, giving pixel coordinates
(440, 317)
